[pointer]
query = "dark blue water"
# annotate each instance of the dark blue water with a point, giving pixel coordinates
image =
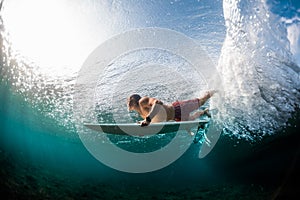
(257, 155)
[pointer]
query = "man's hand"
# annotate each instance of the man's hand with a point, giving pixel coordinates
(144, 123)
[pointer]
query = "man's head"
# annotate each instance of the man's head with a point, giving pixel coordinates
(133, 101)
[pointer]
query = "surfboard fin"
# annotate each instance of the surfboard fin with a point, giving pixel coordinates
(207, 141)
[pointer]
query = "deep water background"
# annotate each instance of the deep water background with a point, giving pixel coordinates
(42, 156)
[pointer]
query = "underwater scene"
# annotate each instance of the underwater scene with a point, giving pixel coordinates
(66, 63)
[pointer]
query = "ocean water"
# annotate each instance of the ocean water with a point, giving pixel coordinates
(249, 49)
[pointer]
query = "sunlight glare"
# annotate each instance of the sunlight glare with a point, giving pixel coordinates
(53, 34)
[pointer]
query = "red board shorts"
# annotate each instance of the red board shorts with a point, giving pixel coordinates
(184, 108)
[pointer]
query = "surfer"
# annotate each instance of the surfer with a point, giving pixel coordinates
(153, 110)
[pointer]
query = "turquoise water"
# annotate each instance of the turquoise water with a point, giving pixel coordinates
(255, 48)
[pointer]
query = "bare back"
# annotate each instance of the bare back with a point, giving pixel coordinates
(165, 113)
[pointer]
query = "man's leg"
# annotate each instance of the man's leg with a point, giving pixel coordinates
(202, 101)
(199, 113)
(189, 106)
(206, 96)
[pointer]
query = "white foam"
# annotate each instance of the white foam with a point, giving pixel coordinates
(260, 80)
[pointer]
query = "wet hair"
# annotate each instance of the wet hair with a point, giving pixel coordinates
(134, 99)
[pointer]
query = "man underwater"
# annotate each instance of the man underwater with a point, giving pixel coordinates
(153, 110)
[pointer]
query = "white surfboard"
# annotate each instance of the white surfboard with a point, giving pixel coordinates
(154, 128)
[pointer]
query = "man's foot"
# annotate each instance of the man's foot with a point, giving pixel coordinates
(206, 112)
(212, 92)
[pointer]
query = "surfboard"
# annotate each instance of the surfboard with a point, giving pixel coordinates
(154, 128)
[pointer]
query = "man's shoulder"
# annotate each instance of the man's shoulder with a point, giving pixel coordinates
(144, 100)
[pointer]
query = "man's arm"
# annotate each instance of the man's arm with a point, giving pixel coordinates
(155, 107)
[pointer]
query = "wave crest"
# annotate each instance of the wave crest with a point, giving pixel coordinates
(261, 82)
